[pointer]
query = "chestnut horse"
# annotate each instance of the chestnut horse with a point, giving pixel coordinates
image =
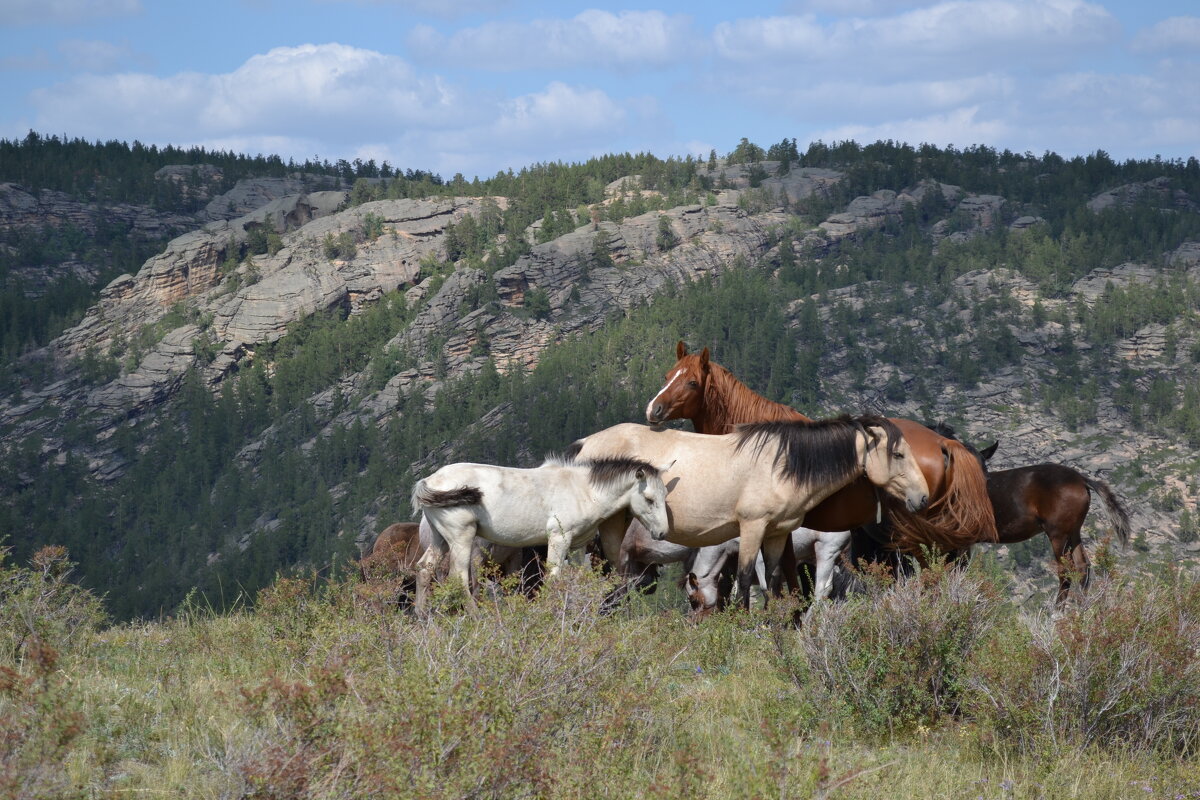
(958, 515)
(1055, 499)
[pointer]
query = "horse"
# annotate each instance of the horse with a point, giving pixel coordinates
(727, 486)
(396, 551)
(641, 556)
(558, 504)
(707, 584)
(1054, 499)
(958, 513)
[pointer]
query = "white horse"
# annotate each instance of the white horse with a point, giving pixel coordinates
(758, 483)
(819, 548)
(559, 504)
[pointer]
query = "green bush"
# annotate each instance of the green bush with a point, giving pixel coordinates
(41, 608)
(1118, 670)
(898, 656)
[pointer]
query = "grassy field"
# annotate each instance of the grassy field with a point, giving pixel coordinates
(936, 687)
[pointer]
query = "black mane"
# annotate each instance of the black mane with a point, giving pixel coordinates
(821, 451)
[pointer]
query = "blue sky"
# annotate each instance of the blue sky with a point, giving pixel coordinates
(476, 87)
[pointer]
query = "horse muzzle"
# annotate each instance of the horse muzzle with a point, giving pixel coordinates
(917, 503)
(655, 412)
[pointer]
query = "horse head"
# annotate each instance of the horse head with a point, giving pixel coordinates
(891, 465)
(682, 396)
(648, 501)
(702, 596)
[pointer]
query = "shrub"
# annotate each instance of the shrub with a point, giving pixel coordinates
(1118, 670)
(41, 608)
(42, 616)
(509, 701)
(897, 656)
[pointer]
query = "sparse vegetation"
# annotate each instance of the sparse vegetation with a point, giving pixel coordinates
(317, 692)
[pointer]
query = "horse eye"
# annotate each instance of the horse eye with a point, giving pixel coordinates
(693, 385)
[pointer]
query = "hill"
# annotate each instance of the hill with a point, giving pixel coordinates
(260, 394)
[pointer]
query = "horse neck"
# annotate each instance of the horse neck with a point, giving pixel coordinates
(728, 403)
(609, 497)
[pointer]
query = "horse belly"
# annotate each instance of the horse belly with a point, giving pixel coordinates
(515, 527)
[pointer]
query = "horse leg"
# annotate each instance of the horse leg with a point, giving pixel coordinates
(775, 550)
(558, 547)
(827, 548)
(750, 543)
(427, 566)
(1063, 550)
(462, 545)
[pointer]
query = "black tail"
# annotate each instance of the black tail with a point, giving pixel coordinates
(424, 497)
(1116, 511)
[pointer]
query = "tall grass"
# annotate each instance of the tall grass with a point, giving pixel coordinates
(933, 687)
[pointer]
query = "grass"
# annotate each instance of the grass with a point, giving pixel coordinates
(937, 687)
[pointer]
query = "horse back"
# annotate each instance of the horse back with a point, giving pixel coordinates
(1037, 497)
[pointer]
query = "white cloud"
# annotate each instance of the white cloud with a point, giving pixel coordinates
(22, 12)
(858, 100)
(999, 31)
(561, 111)
(335, 101)
(856, 8)
(591, 39)
(329, 90)
(961, 127)
(1177, 34)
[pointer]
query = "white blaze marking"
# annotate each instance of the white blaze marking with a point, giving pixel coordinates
(650, 405)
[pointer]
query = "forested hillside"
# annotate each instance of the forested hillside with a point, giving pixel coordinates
(262, 393)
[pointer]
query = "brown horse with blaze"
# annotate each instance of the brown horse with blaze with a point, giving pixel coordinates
(959, 511)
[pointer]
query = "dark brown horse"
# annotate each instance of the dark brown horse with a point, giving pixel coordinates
(958, 514)
(1055, 499)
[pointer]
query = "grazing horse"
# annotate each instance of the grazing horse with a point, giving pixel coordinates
(642, 555)
(958, 513)
(558, 504)
(395, 551)
(760, 482)
(708, 585)
(1053, 498)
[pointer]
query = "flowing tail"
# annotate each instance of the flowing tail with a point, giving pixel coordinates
(424, 497)
(1116, 511)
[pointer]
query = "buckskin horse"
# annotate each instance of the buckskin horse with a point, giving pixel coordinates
(959, 512)
(759, 482)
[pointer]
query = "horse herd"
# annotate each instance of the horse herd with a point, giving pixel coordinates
(865, 487)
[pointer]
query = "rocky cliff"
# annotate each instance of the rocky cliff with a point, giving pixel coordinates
(202, 304)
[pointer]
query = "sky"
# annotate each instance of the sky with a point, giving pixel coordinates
(475, 87)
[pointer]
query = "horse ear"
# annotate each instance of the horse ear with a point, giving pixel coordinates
(661, 470)
(680, 349)
(693, 584)
(704, 358)
(989, 451)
